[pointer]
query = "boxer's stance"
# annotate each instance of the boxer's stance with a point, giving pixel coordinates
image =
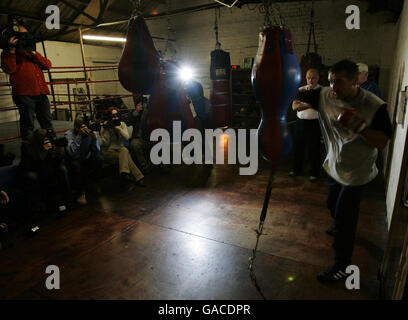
(355, 124)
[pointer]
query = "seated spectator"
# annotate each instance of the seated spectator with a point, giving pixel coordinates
(4, 204)
(113, 134)
(83, 158)
(4, 198)
(139, 146)
(118, 102)
(44, 177)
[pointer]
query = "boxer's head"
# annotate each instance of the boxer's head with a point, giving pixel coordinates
(343, 77)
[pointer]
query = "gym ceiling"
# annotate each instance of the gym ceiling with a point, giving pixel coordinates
(89, 13)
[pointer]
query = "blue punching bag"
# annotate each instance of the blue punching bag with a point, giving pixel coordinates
(275, 78)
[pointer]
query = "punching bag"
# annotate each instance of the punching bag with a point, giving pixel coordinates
(168, 103)
(275, 78)
(310, 59)
(220, 95)
(139, 64)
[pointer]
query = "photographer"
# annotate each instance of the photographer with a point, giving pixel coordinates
(139, 146)
(24, 65)
(83, 157)
(43, 175)
(113, 134)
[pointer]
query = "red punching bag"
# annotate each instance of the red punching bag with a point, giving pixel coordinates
(139, 64)
(275, 78)
(220, 95)
(168, 102)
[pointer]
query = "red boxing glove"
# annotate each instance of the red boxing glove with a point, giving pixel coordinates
(350, 119)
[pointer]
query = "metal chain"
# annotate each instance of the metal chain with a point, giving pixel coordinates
(267, 17)
(312, 30)
(268, 13)
(136, 7)
(170, 32)
(251, 260)
(276, 8)
(217, 43)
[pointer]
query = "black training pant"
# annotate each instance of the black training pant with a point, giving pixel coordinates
(307, 137)
(344, 205)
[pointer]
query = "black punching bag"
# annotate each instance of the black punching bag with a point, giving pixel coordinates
(309, 60)
(220, 96)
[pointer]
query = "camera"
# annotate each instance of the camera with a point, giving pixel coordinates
(57, 142)
(26, 40)
(97, 125)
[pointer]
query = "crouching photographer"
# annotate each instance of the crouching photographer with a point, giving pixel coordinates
(43, 175)
(84, 159)
(24, 66)
(113, 134)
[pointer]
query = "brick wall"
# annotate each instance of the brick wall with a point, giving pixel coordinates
(238, 33)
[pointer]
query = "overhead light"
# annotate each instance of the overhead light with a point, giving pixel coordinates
(227, 3)
(104, 38)
(186, 73)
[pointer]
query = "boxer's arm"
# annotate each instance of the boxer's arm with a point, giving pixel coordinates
(380, 130)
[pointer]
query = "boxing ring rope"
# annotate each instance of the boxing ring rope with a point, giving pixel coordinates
(68, 101)
(86, 70)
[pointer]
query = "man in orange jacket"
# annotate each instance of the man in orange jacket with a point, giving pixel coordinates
(29, 88)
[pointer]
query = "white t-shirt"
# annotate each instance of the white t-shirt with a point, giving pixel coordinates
(350, 159)
(308, 114)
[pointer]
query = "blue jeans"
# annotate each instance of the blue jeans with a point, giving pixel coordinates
(28, 106)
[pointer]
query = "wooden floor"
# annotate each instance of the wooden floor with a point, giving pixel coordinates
(174, 241)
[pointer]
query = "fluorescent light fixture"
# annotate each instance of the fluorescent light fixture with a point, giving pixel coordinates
(103, 38)
(226, 3)
(186, 73)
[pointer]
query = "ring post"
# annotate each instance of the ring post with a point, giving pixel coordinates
(51, 83)
(85, 73)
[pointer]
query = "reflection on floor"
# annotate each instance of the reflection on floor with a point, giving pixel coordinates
(173, 240)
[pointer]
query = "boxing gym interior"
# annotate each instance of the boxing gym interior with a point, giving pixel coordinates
(123, 226)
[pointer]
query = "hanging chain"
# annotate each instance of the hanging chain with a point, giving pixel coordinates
(267, 13)
(312, 30)
(217, 43)
(268, 8)
(259, 232)
(276, 8)
(170, 33)
(136, 7)
(251, 260)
